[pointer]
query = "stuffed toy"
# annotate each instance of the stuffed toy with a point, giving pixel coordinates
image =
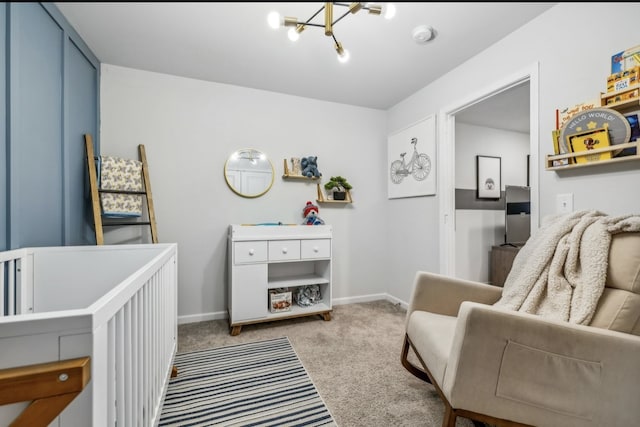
(310, 214)
(310, 167)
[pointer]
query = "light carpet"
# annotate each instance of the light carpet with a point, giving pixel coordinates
(252, 384)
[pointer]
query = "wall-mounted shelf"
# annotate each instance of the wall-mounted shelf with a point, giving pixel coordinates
(321, 198)
(625, 104)
(288, 175)
(622, 107)
(571, 156)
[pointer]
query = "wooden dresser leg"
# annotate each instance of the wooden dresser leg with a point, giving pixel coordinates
(326, 316)
(235, 330)
(174, 371)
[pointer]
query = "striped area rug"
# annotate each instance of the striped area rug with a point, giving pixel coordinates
(255, 384)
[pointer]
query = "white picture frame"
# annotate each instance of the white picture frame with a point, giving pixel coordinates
(411, 160)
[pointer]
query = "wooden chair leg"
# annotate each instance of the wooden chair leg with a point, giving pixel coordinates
(449, 419)
(419, 373)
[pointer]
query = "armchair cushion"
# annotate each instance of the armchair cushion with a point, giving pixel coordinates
(431, 335)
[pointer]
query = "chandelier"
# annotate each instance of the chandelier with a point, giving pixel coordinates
(297, 27)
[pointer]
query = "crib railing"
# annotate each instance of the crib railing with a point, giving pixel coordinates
(129, 334)
(141, 340)
(16, 282)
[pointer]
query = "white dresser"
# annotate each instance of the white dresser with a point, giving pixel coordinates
(264, 257)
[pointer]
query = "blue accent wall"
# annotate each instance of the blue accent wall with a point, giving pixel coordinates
(81, 87)
(35, 136)
(4, 170)
(51, 101)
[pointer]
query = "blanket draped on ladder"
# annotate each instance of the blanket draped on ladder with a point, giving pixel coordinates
(560, 272)
(115, 173)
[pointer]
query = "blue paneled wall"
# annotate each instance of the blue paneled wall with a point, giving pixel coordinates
(51, 100)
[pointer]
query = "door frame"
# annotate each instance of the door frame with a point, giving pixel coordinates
(446, 157)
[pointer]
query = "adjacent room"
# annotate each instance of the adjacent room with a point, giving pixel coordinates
(320, 214)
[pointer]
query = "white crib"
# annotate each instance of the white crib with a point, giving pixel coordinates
(115, 304)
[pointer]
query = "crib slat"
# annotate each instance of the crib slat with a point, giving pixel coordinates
(146, 354)
(134, 360)
(120, 392)
(11, 296)
(111, 374)
(128, 388)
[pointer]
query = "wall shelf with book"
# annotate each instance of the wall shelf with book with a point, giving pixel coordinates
(571, 160)
(599, 144)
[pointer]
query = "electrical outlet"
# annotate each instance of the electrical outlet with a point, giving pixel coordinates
(564, 203)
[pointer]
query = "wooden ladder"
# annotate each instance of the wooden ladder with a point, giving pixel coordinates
(95, 194)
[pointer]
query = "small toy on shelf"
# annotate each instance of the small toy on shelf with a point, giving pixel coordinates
(310, 214)
(310, 167)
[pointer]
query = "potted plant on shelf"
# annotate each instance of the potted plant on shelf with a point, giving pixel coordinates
(339, 185)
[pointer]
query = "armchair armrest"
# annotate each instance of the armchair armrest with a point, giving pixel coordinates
(533, 370)
(443, 295)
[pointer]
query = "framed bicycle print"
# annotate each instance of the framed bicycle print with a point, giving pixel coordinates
(488, 177)
(411, 160)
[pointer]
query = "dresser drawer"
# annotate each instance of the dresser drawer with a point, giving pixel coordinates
(315, 248)
(249, 252)
(283, 250)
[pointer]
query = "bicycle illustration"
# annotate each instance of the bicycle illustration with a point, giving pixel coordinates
(418, 166)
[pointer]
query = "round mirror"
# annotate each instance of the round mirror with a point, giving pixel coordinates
(249, 172)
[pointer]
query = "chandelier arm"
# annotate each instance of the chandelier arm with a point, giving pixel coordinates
(364, 5)
(310, 24)
(313, 16)
(345, 14)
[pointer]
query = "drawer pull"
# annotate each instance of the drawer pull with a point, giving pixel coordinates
(284, 250)
(315, 249)
(251, 252)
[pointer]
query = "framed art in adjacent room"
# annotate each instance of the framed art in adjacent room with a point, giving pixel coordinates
(412, 160)
(489, 179)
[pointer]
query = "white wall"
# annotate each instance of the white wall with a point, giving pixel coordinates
(511, 147)
(189, 128)
(477, 229)
(572, 68)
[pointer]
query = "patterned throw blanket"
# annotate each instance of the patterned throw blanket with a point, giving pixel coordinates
(560, 272)
(122, 175)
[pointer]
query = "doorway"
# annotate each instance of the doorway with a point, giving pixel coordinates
(526, 78)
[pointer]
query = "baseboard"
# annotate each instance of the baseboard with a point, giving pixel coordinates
(202, 317)
(397, 301)
(221, 315)
(360, 298)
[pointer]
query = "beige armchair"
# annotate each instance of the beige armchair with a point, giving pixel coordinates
(509, 368)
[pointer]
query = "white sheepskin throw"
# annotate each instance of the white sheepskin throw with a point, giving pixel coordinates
(560, 273)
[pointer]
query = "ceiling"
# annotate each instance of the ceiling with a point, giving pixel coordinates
(507, 110)
(232, 43)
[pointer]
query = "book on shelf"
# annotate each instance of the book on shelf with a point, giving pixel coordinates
(584, 142)
(563, 115)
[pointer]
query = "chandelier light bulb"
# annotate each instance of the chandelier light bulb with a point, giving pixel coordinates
(293, 35)
(274, 20)
(389, 10)
(344, 56)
